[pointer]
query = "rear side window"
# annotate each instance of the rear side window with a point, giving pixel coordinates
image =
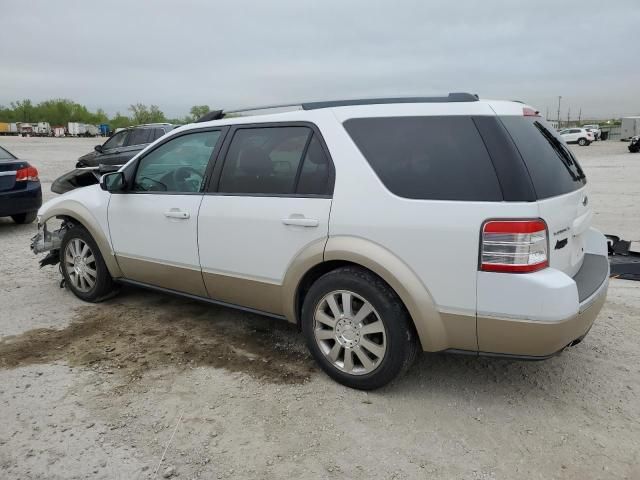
(435, 158)
(157, 133)
(140, 136)
(264, 160)
(554, 170)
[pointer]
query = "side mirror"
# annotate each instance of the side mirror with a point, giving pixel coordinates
(98, 148)
(113, 182)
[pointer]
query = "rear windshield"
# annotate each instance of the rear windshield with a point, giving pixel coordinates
(436, 158)
(4, 155)
(554, 170)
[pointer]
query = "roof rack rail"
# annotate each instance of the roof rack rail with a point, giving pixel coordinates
(266, 107)
(451, 97)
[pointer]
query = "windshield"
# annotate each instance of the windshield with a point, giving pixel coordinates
(553, 168)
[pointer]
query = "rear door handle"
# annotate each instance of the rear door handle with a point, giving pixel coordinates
(300, 221)
(177, 213)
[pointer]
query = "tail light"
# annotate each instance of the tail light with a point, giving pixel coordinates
(28, 173)
(530, 112)
(514, 246)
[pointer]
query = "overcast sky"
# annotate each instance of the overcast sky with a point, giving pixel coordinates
(178, 53)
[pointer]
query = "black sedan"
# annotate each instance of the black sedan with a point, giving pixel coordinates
(20, 192)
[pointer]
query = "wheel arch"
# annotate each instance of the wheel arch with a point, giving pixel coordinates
(345, 251)
(80, 215)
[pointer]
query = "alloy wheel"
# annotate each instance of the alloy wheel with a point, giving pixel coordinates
(349, 332)
(80, 265)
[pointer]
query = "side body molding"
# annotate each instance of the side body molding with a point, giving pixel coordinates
(429, 323)
(76, 211)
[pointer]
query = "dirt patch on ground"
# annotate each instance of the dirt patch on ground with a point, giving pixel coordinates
(130, 340)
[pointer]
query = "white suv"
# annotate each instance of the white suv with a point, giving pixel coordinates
(380, 227)
(581, 136)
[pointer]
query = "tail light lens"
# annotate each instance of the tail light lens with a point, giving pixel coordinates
(514, 246)
(27, 174)
(530, 112)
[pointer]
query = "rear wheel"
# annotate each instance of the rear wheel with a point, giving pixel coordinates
(357, 328)
(83, 267)
(582, 142)
(24, 217)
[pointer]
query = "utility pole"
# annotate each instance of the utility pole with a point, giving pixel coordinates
(547, 115)
(568, 115)
(559, 98)
(580, 116)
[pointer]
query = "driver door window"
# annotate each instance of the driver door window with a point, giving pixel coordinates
(177, 166)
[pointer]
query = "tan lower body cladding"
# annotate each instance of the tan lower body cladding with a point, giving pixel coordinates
(456, 331)
(245, 292)
(532, 338)
(178, 278)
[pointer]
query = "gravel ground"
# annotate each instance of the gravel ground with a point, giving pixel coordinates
(107, 391)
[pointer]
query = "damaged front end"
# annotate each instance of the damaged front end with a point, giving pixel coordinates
(81, 177)
(46, 241)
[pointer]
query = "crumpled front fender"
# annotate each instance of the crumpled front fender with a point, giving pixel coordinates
(86, 207)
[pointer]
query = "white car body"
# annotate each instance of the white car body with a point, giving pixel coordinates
(222, 247)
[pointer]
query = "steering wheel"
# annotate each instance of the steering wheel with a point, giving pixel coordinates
(183, 182)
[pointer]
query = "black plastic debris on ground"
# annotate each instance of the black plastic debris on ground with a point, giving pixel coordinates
(624, 262)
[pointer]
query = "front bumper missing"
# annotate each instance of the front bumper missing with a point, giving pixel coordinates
(46, 241)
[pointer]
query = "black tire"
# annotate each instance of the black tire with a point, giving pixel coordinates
(104, 286)
(23, 218)
(582, 142)
(401, 338)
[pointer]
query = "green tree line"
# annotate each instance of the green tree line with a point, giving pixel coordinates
(60, 111)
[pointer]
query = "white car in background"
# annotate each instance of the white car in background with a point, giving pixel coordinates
(581, 136)
(595, 129)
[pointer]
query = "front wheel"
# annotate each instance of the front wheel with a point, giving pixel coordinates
(582, 142)
(357, 329)
(83, 267)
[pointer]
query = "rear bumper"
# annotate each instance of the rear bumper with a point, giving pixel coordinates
(567, 308)
(14, 202)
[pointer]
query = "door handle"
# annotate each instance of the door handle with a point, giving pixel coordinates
(177, 213)
(300, 221)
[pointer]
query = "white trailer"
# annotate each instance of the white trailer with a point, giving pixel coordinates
(25, 129)
(42, 129)
(92, 130)
(58, 131)
(72, 129)
(630, 128)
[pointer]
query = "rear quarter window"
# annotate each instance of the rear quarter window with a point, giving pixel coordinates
(554, 170)
(431, 158)
(140, 136)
